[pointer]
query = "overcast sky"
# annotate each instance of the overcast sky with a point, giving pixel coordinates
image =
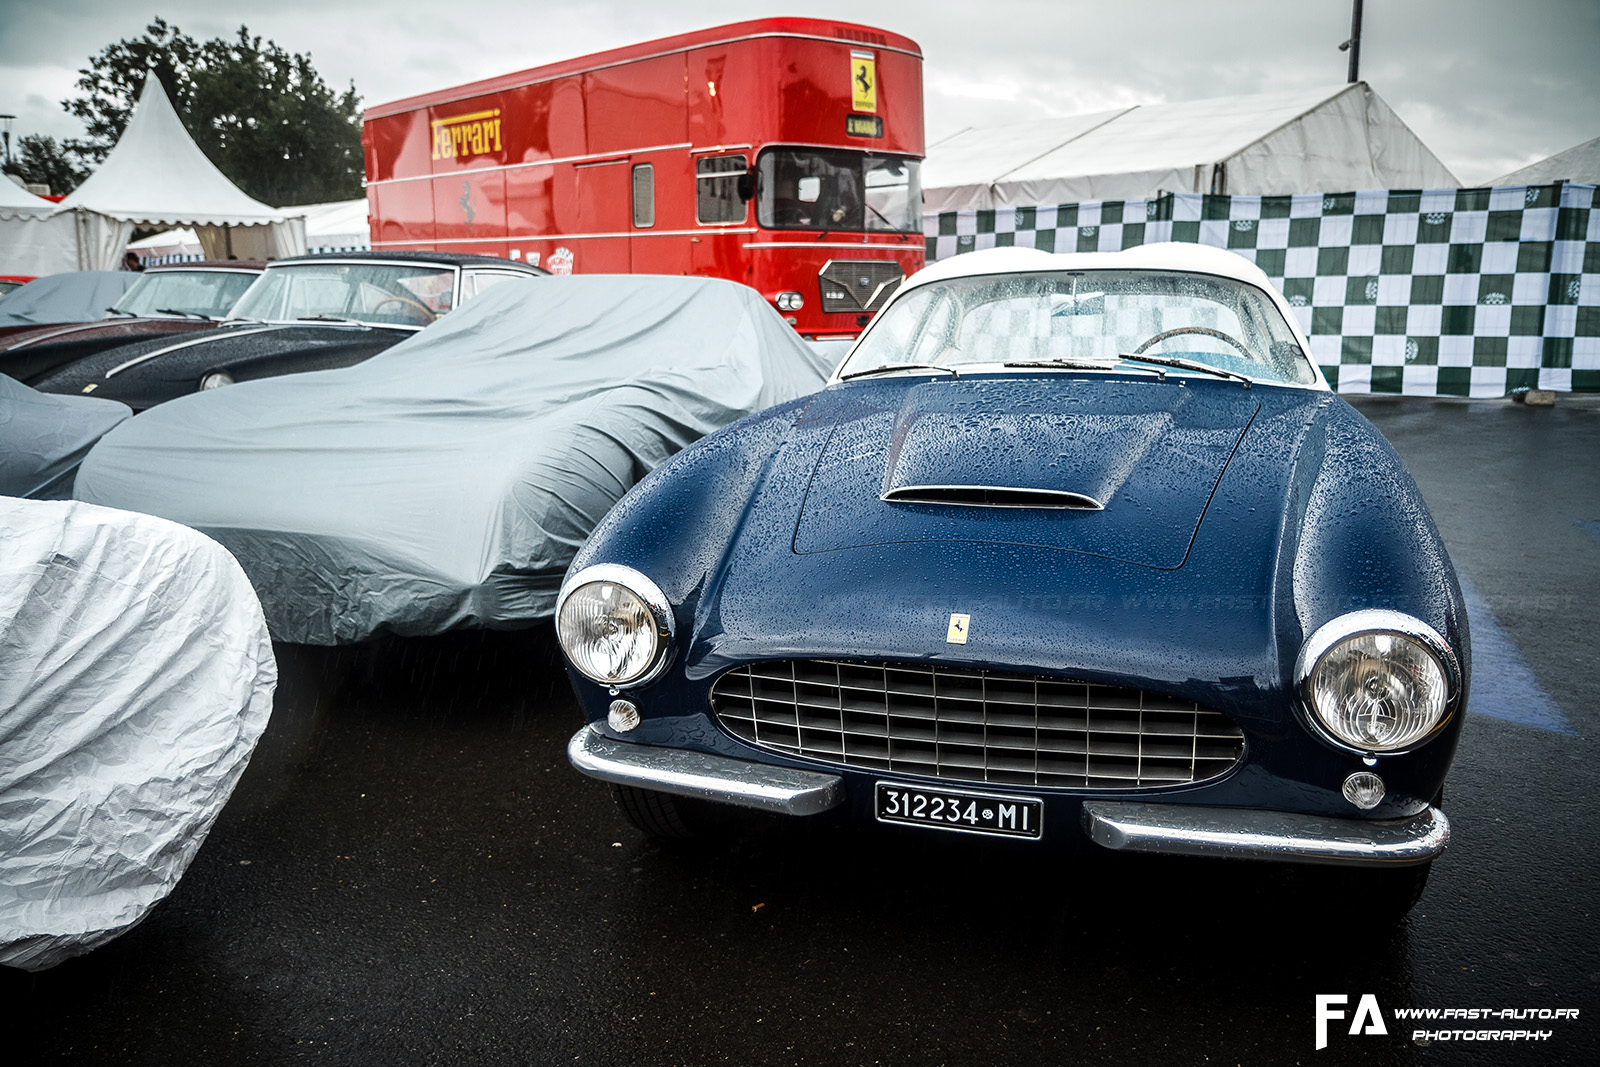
(1489, 85)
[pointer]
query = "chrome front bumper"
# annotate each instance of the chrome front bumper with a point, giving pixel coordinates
(1173, 829)
(1234, 833)
(697, 774)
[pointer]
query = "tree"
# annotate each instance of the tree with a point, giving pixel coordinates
(40, 160)
(263, 116)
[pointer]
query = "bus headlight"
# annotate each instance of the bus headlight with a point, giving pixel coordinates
(1376, 681)
(789, 301)
(614, 625)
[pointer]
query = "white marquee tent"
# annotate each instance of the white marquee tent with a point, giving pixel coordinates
(1279, 143)
(156, 175)
(1577, 164)
(33, 239)
(338, 226)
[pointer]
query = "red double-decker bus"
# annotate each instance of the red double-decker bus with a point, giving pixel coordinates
(783, 153)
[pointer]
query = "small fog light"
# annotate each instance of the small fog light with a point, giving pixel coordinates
(1363, 788)
(624, 716)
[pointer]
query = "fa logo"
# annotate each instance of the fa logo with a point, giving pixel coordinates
(1367, 1020)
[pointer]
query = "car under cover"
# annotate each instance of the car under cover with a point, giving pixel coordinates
(136, 676)
(449, 480)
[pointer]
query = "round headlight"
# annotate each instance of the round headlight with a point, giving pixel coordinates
(1377, 690)
(216, 380)
(615, 633)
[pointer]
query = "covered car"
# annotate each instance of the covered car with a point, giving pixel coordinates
(449, 481)
(76, 296)
(164, 300)
(136, 676)
(1072, 548)
(43, 438)
(305, 313)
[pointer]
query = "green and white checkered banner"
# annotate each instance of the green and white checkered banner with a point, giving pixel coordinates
(1445, 292)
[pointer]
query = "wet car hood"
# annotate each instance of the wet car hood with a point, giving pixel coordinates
(149, 372)
(28, 353)
(1118, 470)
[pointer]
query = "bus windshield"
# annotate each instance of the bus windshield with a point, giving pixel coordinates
(838, 190)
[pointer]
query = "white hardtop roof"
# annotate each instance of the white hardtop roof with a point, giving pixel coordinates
(156, 174)
(1163, 255)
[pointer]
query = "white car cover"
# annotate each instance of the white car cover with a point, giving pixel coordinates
(135, 677)
(450, 480)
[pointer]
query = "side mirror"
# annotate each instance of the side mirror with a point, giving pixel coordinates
(746, 186)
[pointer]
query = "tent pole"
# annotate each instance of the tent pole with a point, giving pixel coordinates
(1355, 43)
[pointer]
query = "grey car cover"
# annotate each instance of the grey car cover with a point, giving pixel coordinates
(135, 678)
(44, 437)
(77, 296)
(450, 480)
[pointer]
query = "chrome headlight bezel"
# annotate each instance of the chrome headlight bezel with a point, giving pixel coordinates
(648, 592)
(1374, 621)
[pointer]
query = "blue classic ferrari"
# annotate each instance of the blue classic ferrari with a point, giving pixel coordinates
(1070, 547)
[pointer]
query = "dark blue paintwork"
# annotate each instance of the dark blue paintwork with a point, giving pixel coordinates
(1237, 521)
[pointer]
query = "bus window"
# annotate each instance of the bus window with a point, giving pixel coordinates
(644, 196)
(822, 189)
(717, 188)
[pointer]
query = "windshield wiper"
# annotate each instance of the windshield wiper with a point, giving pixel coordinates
(1080, 363)
(902, 234)
(185, 314)
(118, 311)
(1188, 364)
(882, 368)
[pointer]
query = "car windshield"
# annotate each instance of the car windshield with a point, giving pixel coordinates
(838, 190)
(190, 292)
(381, 294)
(1085, 319)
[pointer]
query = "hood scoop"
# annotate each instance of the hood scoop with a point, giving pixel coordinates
(972, 450)
(990, 496)
(1116, 469)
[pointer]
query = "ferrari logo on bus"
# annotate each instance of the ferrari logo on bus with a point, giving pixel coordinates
(863, 81)
(466, 135)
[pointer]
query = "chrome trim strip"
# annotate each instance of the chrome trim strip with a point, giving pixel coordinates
(1070, 501)
(698, 774)
(78, 327)
(641, 586)
(1285, 837)
(207, 339)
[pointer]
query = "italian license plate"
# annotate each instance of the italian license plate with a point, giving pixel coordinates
(952, 809)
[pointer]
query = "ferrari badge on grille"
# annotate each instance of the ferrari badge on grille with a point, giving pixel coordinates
(957, 634)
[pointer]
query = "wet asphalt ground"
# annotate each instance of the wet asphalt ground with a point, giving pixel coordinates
(410, 873)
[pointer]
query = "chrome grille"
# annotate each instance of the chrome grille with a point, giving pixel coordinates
(858, 284)
(975, 726)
